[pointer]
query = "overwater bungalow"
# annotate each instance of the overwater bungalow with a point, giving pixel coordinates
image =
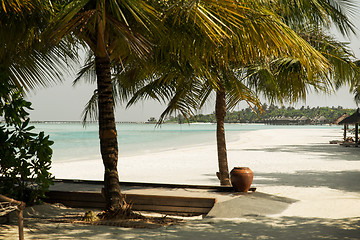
(322, 120)
(303, 120)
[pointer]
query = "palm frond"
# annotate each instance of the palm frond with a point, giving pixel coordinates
(339, 55)
(87, 71)
(26, 58)
(90, 112)
(282, 79)
(68, 19)
(42, 68)
(268, 35)
(322, 13)
(237, 91)
(137, 43)
(356, 92)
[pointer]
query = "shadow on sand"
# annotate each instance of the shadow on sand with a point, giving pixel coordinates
(344, 180)
(249, 228)
(325, 151)
(340, 180)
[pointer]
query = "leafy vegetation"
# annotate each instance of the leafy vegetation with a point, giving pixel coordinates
(25, 157)
(247, 115)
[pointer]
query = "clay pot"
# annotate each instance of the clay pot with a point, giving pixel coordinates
(241, 178)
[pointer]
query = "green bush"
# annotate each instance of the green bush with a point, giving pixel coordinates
(25, 156)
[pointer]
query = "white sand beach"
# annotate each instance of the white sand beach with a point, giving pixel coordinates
(300, 164)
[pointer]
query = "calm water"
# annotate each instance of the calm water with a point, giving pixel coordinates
(75, 142)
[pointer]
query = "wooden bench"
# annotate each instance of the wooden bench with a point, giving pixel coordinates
(169, 205)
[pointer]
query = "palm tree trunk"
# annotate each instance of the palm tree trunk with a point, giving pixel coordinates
(107, 134)
(220, 112)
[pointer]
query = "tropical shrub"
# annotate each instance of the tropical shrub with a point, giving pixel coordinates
(25, 156)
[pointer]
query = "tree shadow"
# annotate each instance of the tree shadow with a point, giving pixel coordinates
(342, 180)
(249, 228)
(326, 151)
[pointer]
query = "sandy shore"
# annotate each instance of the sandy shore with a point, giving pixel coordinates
(295, 163)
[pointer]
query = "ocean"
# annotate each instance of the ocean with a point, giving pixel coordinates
(74, 142)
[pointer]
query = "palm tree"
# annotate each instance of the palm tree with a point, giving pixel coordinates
(289, 80)
(292, 79)
(177, 73)
(110, 29)
(171, 84)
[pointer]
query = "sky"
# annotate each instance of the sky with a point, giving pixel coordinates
(64, 102)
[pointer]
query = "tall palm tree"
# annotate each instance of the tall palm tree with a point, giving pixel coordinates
(110, 29)
(176, 73)
(169, 83)
(292, 79)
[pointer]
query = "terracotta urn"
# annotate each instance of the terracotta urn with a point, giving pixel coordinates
(241, 178)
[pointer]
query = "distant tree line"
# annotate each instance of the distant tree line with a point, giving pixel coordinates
(249, 115)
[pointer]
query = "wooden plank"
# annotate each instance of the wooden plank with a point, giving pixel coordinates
(144, 184)
(170, 200)
(170, 209)
(136, 199)
(76, 196)
(189, 206)
(136, 207)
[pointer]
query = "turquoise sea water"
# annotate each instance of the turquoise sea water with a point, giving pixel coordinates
(75, 142)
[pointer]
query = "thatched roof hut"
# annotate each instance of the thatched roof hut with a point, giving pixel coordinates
(322, 120)
(339, 119)
(352, 119)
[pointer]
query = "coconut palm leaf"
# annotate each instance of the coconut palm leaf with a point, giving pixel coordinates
(321, 13)
(344, 70)
(268, 35)
(90, 111)
(237, 91)
(80, 18)
(284, 79)
(87, 72)
(26, 59)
